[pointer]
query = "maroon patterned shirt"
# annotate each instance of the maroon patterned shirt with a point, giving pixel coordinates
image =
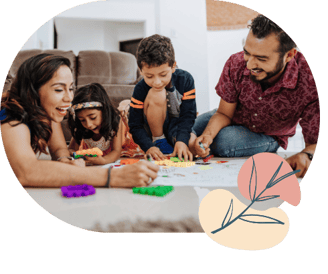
(278, 109)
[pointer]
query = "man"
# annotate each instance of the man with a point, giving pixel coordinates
(265, 91)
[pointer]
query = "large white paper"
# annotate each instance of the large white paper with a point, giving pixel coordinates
(212, 175)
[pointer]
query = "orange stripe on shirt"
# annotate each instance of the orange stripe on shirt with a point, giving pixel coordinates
(189, 92)
(136, 101)
(136, 106)
(188, 97)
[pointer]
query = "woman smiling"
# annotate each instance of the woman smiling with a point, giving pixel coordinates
(31, 112)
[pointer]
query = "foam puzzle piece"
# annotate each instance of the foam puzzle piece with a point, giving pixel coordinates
(159, 191)
(175, 159)
(205, 167)
(170, 163)
(91, 152)
(129, 161)
(77, 190)
(221, 162)
(207, 158)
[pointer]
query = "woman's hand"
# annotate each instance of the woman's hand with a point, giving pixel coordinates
(139, 174)
(78, 162)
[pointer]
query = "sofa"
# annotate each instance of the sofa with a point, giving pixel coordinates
(117, 72)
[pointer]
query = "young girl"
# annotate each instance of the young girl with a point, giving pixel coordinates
(94, 122)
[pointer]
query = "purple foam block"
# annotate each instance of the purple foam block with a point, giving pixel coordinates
(77, 191)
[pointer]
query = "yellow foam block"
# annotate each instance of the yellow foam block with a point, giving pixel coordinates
(175, 164)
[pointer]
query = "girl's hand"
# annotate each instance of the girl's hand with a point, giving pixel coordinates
(99, 160)
(155, 153)
(183, 151)
(139, 174)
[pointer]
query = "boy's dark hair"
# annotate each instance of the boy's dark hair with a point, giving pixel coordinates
(261, 27)
(155, 50)
(110, 116)
(22, 100)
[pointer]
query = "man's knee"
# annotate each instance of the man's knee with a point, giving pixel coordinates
(225, 142)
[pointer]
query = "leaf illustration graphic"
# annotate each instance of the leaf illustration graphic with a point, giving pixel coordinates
(274, 175)
(260, 219)
(230, 210)
(250, 181)
(265, 198)
(283, 177)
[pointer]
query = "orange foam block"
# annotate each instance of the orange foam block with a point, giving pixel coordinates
(129, 161)
(90, 151)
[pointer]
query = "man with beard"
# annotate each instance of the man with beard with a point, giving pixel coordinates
(265, 91)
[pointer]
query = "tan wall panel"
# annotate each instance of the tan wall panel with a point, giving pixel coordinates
(224, 15)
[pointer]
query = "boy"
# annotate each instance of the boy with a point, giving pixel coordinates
(163, 106)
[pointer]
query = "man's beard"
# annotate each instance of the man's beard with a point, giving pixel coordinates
(270, 74)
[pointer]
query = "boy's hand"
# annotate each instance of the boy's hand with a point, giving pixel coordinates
(99, 160)
(206, 140)
(155, 153)
(183, 151)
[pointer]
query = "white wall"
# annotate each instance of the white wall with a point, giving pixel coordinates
(78, 34)
(110, 37)
(116, 10)
(129, 31)
(220, 46)
(101, 25)
(184, 22)
(42, 38)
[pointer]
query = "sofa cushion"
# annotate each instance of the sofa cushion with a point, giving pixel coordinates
(124, 68)
(25, 54)
(96, 66)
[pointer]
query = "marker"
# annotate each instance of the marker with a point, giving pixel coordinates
(149, 157)
(201, 145)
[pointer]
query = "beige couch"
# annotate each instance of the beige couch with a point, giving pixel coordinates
(116, 71)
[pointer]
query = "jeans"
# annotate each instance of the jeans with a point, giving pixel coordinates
(235, 140)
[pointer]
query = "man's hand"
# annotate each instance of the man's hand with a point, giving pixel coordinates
(206, 140)
(299, 161)
(182, 150)
(155, 153)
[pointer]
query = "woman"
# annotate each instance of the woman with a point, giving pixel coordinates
(31, 112)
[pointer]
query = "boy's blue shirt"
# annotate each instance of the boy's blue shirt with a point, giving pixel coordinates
(183, 82)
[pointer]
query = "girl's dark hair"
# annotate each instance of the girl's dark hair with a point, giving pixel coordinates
(155, 50)
(110, 116)
(261, 27)
(22, 100)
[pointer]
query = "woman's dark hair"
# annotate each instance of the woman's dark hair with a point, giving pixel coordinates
(261, 27)
(155, 50)
(110, 116)
(22, 100)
